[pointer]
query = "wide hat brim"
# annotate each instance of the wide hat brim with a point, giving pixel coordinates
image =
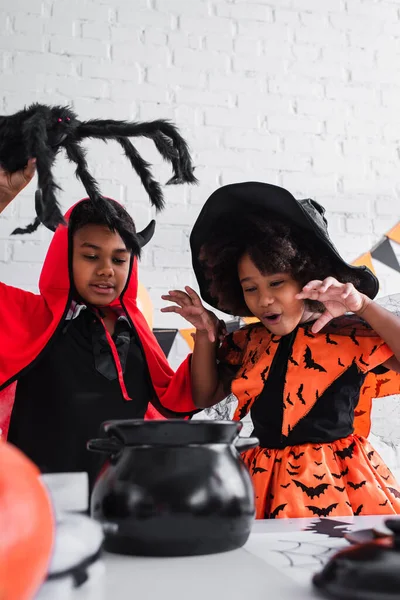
(241, 198)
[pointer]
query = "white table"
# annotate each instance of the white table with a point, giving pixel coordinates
(232, 575)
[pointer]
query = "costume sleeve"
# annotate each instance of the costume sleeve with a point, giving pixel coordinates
(232, 348)
(24, 318)
(370, 352)
(230, 357)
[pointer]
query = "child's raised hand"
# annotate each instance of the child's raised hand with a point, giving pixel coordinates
(338, 299)
(190, 307)
(12, 183)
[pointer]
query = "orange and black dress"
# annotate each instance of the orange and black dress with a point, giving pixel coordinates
(302, 391)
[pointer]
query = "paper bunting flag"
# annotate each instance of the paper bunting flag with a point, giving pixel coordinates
(165, 338)
(385, 254)
(394, 233)
(365, 260)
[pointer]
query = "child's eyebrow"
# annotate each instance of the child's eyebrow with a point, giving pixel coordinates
(245, 279)
(94, 247)
(88, 245)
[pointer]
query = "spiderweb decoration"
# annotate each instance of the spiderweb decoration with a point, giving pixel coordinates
(391, 303)
(300, 554)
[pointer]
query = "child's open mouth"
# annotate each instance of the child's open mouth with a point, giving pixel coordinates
(103, 289)
(272, 319)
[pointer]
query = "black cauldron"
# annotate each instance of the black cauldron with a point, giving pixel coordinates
(364, 571)
(173, 488)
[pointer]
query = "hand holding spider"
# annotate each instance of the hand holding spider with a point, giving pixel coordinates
(11, 184)
(190, 307)
(337, 298)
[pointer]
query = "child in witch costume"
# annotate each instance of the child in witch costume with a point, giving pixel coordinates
(80, 352)
(298, 369)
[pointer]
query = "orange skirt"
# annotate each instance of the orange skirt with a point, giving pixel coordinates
(346, 477)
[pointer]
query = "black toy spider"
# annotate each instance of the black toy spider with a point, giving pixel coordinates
(40, 131)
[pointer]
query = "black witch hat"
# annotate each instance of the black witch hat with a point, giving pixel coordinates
(239, 198)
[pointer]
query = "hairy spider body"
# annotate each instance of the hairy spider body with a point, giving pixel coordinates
(41, 131)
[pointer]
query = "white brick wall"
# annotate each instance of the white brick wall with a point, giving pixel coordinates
(302, 93)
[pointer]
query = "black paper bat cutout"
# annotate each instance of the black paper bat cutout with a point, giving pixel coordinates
(323, 512)
(346, 452)
(40, 131)
(276, 511)
(312, 491)
(310, 363)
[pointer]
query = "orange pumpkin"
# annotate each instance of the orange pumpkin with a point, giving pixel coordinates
(26, 526)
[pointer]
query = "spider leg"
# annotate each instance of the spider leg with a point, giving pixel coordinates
(28, 229)
(142, 168)
(47, 208)
(77, 155)
(165, 135)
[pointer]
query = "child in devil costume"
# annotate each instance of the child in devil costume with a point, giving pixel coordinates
(80, 352)
(298, 369)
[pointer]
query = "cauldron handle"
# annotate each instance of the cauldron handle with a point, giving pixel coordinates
(105, 445)
(245, 443)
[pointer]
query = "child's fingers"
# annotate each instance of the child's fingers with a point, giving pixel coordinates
(328, 283)
(180, 299)
(30, 169)
(195, 298)
(321, 322)
(183, 296)
(175, 309)
(348, 289)
(312, 285)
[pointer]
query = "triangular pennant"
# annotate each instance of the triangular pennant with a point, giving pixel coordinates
(385, 254)
(365, 260)
(394, 233)
(187, 336)
(145, 304)
(165, 337)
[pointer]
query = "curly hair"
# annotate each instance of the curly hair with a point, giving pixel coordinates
(118, 219)
(274, 246)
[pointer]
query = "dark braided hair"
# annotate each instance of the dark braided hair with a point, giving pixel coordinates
(117, 220)
(274, 246)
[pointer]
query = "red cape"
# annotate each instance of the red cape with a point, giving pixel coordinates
(28, 322)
